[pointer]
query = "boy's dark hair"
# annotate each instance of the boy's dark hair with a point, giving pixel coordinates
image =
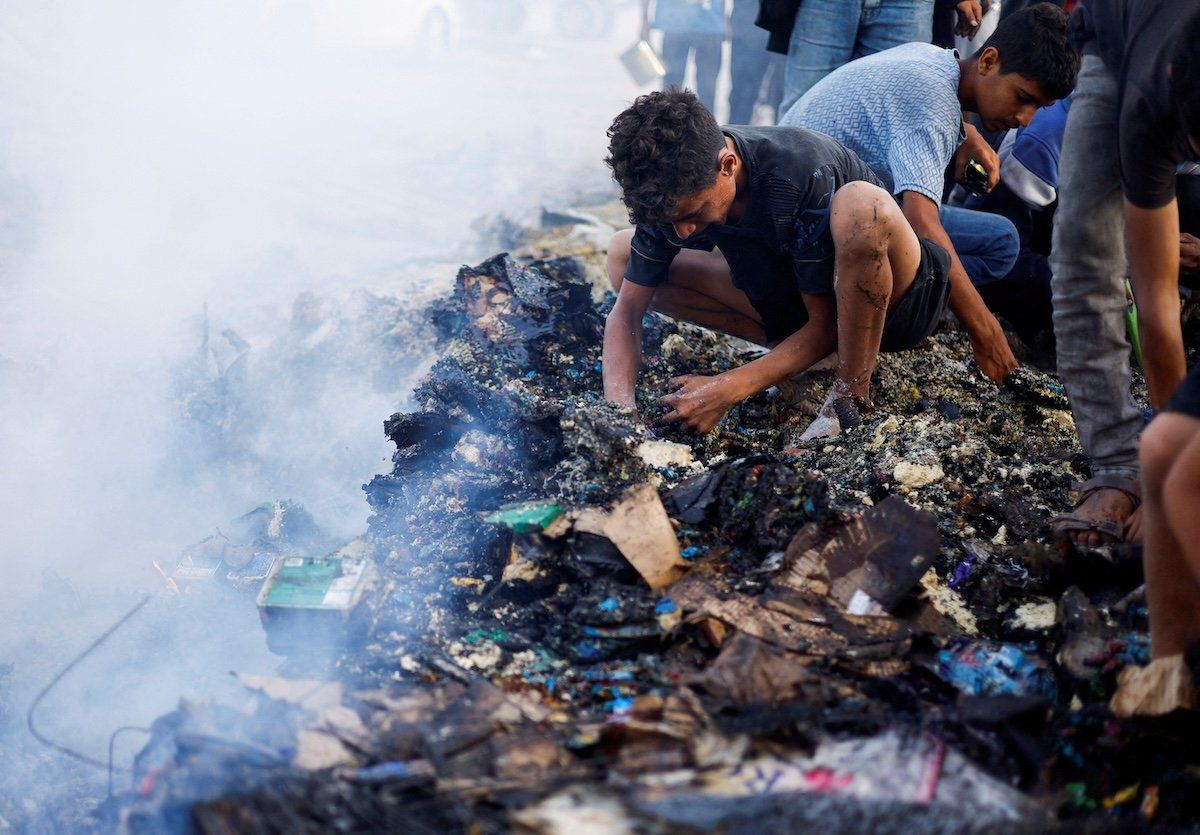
(1033, 42)
(1185, 74)
(663, 146)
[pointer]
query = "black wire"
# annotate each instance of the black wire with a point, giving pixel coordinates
(83, 758)
(112, 741)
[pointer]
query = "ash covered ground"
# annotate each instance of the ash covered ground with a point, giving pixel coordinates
(736, 632)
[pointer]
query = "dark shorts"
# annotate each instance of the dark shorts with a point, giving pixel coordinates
(916, 316)
(1187, 397)
(910, 322)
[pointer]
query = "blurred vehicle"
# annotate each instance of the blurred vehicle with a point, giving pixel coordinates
(341, 24)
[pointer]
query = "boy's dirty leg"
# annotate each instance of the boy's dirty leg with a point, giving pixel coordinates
(877, 259)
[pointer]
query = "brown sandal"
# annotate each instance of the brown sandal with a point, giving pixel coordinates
(1074, 521)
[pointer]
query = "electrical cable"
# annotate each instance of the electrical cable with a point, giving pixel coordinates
(62, 749)
(112, 741)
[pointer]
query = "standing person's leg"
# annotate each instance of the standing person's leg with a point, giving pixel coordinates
(748, 63)
(706, 53)
(986, 243)
(1088, 265)
(675, 49)
(888, 23)
(776, 64)
(1170, 459)
(822, 40)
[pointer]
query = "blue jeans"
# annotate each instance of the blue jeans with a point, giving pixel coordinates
(706, 58)
(1089, 266)
(987, 244)
(829, 33)
(749, 65)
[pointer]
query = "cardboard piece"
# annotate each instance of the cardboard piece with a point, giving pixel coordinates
(749, 671)
(1163, 685)
(638, 525)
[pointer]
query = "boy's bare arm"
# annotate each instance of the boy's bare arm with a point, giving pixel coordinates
(623, 343)
(991, 348)
(1153, 240)
(701, 401)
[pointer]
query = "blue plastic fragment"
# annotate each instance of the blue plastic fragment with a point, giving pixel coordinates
(608, 675)
(624, 704)
(609, 604)
(962, 572)
(982, 669)
(588, 649)
(690, 552)
(1135, 649)
(531, 374)
(382, 772)
(665, 606)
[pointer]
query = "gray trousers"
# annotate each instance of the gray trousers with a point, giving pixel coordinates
(1089, 265)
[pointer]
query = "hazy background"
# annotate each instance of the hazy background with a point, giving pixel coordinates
(157, 157)
(210, 212)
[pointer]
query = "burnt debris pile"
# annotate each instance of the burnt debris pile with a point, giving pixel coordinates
(577, 616)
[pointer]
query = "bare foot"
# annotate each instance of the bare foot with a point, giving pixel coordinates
(1105, 503)
(841, 410)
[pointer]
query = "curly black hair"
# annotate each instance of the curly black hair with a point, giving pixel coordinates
(1185, 74)
(1033, 42)
(663, 146)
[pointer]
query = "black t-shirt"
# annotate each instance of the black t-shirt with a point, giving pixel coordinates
(1135, 39)
(782, 242)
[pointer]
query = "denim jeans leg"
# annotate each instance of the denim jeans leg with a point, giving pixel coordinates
(675, 49)
(1089, 267)
(888, 23)
(822, 40)
(776, 63)
(707, 57)
(987, 244)
(748, 63)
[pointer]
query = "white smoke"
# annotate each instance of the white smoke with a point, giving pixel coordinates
(168, 166)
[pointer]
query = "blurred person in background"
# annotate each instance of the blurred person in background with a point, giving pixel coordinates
(751, 66)
(695, 28)
(829, 33)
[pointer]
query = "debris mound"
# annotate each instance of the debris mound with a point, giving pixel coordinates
(585, 618)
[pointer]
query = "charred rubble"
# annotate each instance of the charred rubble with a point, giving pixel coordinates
(580, 617)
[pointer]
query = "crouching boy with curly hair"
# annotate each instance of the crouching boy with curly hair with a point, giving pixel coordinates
(778, 235)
